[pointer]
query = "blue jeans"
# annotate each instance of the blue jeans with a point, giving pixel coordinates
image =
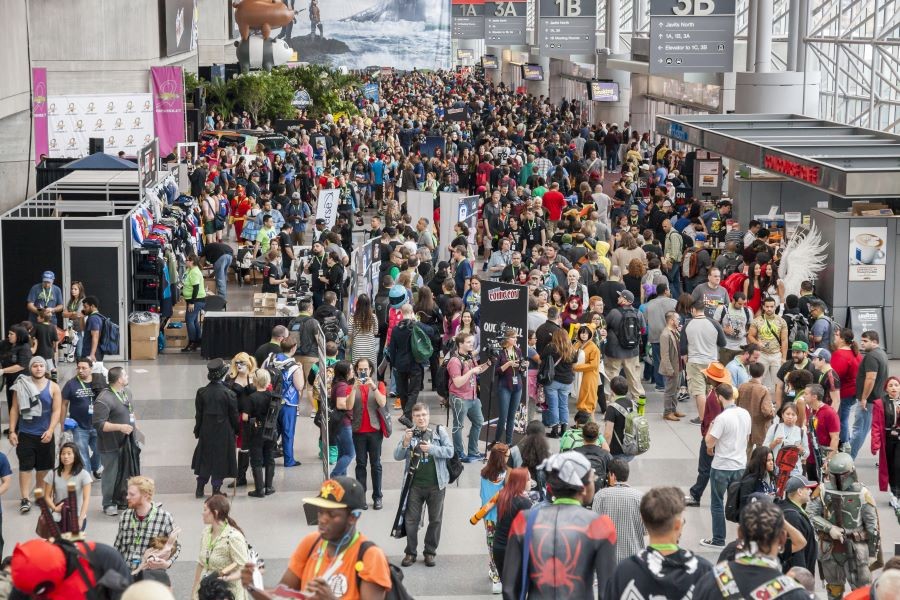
(220, 268)
(704, 463)
(719, 482)
(674, 277)
(472, 410)
(654, 353)
(86, 441)
(847, 405)
(862, 423)
(557, 396)
(346, 451)
(193, 321)
(287, 423)
(506, 419)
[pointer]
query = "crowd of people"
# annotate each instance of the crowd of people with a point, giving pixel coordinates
(629, 285)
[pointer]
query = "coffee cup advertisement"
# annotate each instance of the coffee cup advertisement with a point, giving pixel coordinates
(868, 253)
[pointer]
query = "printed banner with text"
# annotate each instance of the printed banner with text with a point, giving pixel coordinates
(124, 121)
(168, 107)
(39, 109)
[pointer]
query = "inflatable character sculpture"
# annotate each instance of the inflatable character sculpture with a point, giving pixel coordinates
(264, 15)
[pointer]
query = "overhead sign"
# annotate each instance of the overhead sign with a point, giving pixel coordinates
(301, 99)
(691, 36)
(467, 20)
(489, 61)
(567, 27)
(604, 91)
(504, 22)
(791, 168)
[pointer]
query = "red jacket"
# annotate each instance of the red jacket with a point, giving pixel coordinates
(879, 445)
(554, 202)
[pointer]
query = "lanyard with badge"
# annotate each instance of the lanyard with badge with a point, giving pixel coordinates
(140, 529)
(212, 544)
(46, 295)
(515, 375)
(126, 404)
(338, 559)
(90, 395)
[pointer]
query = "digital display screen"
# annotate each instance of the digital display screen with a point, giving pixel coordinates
(604, 91)
(532, 73)
(489, 61)
(465, 54)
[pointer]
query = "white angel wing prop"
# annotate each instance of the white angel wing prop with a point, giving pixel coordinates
(803, 259)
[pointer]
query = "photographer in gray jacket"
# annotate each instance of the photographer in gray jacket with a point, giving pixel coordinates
(426, 452)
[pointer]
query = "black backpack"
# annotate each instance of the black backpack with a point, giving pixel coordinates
(629, 332)
(331, 328)
(382, 306)
(398, 590)
(270, 423)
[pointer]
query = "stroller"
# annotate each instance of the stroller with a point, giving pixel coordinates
(243, 264)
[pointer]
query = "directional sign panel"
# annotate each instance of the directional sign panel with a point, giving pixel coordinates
(467, 20)
(504, 22)
(691, 36)
(567, 27)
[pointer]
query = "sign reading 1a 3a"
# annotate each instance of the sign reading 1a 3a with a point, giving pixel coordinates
(468, 20)
(567, 27)
(504, 22)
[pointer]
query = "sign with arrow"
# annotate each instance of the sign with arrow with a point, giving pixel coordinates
(691, 36)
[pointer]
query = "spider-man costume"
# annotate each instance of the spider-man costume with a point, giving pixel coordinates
(570, 545)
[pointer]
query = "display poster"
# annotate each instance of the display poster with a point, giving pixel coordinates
(868, 319)
(168, 107)
(431, 143)
(457, 113)
(868, 253)
(39, 110)
(468, 214)
(372, 91)
(356, 34)
(181, 26)
(503, 306)
(124, 121)
(148, 164)
(708, 176)
(327, 206)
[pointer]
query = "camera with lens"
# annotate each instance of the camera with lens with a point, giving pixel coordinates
(419, 436)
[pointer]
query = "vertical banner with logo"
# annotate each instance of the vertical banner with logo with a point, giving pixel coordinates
(503, 306)
(168, 106)
(327, 206)
(39, 110)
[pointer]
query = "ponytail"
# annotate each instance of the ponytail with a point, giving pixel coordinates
(846, 335)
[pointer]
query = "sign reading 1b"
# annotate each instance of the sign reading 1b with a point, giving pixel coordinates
(691, 36)
(567, 27)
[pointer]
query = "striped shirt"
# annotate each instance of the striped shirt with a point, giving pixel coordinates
(622, 503)
(365, 343)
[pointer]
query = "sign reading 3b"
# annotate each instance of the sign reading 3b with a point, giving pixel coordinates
(567, 27)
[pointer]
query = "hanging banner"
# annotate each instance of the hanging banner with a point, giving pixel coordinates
(39, 109)
(406, 34)
(868, 253)
(327, 206)
(503, 306)
(167, 84)
(124, 121)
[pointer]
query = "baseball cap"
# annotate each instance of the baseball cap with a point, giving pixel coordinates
(634, 207)
(821, 353)
(339, 492)
(700, 237)
(795, 482)
(667, 203)
(48, 276)
(320, 221)
(801, 346)
(627, 295)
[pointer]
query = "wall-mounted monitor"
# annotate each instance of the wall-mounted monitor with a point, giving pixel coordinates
(603, 91)
(532, 72)
(465, 54)
(489, 61)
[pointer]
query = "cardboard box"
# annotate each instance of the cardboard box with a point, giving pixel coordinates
(264, 311)
(176, 337)
(264, 300)
(144, 340)
(179, 310)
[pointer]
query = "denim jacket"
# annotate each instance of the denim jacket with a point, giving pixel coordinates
(441, 451)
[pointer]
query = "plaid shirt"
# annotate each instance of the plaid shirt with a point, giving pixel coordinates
(541, 167)
(622, 503)
(135, 536)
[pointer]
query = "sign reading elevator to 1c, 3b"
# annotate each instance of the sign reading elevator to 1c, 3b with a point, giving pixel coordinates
(567, 27)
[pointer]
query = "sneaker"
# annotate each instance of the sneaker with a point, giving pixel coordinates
(111, 511)
(477, 456)
(691, 501)
(24, 506)
(404, 420)
(695, 421)
(894, 502)
(659, 389)
(496, 588)
(709, 543)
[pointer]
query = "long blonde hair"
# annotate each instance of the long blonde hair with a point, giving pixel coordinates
(563, 346)
(245, 358)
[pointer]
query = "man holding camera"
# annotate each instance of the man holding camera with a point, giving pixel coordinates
(426, 452)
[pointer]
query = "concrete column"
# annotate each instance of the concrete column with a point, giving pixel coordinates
(540, 88)
(764, 16)
(802, 32)
(751, 36)
(779, 92)
(613, 16)
(639, 106)
(727, 83)
(639, 14)
(793, 35)
(555, 83)
(614, 112)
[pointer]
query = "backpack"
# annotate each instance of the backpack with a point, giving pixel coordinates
(629, 332)
(689, 263)
(398, 590)
(331, 328)
(270, 423)
(636, 435)
(829, 337)
(734, 283)
(732, 265)
(686, 241)
(733, 501)
(798, 328)
(420, 343)
(382, 304)
(730, 590)
(109, 336)
(277, 372)
(546, 372)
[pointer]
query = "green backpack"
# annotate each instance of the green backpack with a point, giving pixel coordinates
(421, 345)
(636, 435)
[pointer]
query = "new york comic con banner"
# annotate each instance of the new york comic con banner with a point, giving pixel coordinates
(403, 34)
(124, 121)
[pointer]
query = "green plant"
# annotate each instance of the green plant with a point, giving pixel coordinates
(251, 93)
(191, 82)
(220, 96)
(279, 94)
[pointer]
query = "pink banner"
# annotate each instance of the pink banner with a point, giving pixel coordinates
(168, 107)
(39, 110)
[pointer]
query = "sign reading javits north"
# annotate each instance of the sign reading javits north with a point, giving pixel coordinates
(403, 34)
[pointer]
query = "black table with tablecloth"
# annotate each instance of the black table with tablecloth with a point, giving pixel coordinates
(228, 333)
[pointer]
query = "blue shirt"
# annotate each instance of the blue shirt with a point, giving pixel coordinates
(289, 393)
(5, 470)
(739, 372)
(40, 424)
(44, 298)
(463, 272)
(378, 171)
(94, 323)
(80, 396)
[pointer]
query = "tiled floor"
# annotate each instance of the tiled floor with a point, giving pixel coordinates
(165, 390)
